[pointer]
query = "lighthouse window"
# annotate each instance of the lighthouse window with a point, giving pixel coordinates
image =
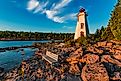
(82, 25)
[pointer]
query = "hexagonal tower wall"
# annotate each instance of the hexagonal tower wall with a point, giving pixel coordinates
(82, 25)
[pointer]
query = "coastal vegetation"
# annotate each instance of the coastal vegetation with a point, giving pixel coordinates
(13, 35)
(113, 30)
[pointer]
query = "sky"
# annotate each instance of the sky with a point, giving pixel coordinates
(52, 15)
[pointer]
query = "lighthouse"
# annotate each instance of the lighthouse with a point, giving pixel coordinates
(82, 25)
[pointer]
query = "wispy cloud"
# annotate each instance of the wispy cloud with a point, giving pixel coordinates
(67, 27)
(71, 16)
(41, 7)
(61, 4)
(51, 14)
(54, 12)
(32, 4)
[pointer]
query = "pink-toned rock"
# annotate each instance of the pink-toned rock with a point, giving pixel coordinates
(73, 60)
(94, 72)
(109, 44)
(90, 58)
(117, 47)
(117, 54)
(107, 58)
(116, 42)
(74, 69)
(117, 76)
(98, 51)
(102, 43)
(112, 50)
(95, 50)
(91, 49)
(79, 51)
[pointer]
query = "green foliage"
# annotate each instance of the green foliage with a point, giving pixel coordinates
(82, 40)
(99, 31)
(70, 43)
(12, 35)
(107, 34)
(113, 31)
(66, 39)
(115, 21)
(97, 36)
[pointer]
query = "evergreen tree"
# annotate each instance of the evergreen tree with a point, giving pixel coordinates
(115, 21)
(107, 34)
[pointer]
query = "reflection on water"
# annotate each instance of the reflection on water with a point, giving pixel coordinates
(10, 59)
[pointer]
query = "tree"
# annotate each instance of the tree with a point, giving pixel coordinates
(13, 35)
(115, 21)
(107, 34)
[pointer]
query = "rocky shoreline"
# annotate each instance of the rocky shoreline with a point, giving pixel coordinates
(94, 62)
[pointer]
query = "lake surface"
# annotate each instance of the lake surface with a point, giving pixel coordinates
(18, 43)
(10, 59)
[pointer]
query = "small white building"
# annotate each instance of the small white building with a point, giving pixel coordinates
(82, 25)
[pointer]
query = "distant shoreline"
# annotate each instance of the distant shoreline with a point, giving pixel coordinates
(31, 40)
(22, 40)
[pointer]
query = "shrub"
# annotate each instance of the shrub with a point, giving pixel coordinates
(70, 43)
(82, 41)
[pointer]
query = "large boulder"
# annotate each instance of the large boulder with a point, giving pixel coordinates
(117, 55)
(94, 72)
(118, 47)
(109, 44)
(89, 58)
(108, 58)
(116, 42)
(74, 69)
(95, 50)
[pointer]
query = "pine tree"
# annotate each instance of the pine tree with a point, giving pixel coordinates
(115, 21)
(107, 34)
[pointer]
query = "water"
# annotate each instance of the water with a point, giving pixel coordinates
(17, 43)
(10, 59)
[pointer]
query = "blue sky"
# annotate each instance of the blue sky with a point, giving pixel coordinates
(52, 15)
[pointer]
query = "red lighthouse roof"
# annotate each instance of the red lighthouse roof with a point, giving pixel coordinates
(82, 10)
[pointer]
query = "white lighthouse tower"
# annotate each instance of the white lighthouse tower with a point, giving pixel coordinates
(82, 25)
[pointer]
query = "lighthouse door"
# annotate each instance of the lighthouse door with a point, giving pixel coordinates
(82, 33)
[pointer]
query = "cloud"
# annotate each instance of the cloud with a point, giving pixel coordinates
(41, 7)
(61, 4)
(51, 14)
(71, 16)
(54, 12)
(67, 27)
(32, 4)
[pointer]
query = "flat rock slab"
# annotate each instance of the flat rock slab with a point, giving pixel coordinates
(94, 72)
